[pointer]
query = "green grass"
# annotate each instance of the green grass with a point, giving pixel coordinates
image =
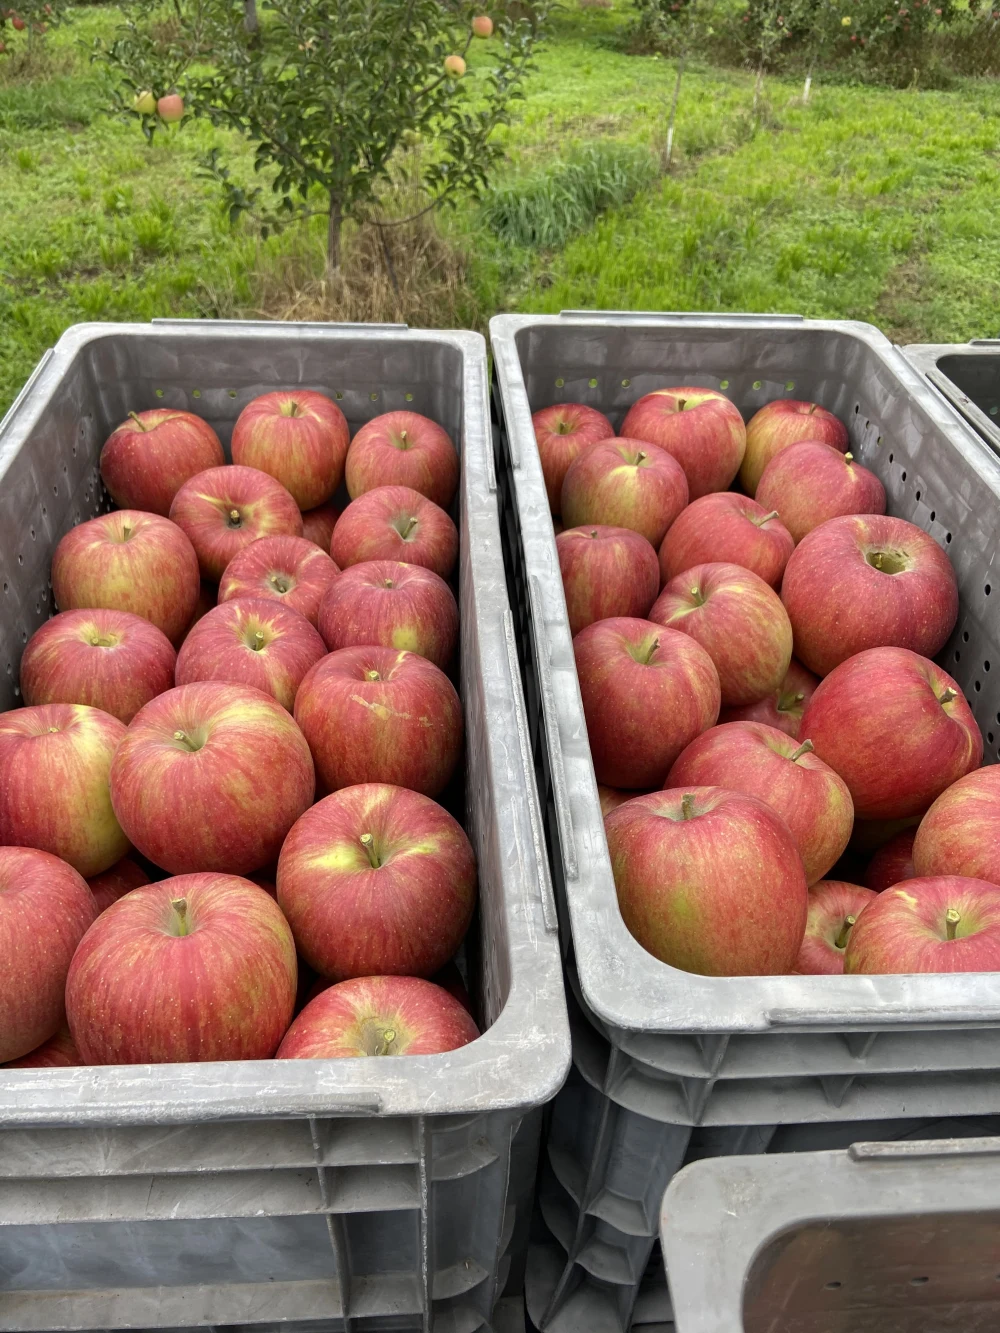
(867, 203)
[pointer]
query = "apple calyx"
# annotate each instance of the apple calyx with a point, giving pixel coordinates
(841, 941)
(951, 920)
(806, 747)
(180, 921)
(138, 421)
(235, 518)
(948, 696)
(687, 806)
(765, 518)
(368, 843)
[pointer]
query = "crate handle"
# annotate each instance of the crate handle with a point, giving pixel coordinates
(564, 816)
(681, 316)
(961, 403)
(273, 324)
(29, 384)
(984, 342)
(924, 1148)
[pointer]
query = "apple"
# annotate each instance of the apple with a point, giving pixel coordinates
(197, 967)
(897, 730)
(834, 907)
(224, 509)
(606, 572)
(111, 660)
(403, 449)
(621, 483)
(454, 66)
(709, 881)
(562, 432)
(396, 523)
(868, 581)
(393, 604)
(377, 880)
(318, 525)
(255, 642)
(122, 878)
(701, 428)
(59, 1052)
(45, 910)
(612, 797)
(449, 978)
(482, 25)
(809, 483)
(378, 1016)
(18, 23)
(783, 708)
(731, 529)
(144, 103)
(289, 570)
(943, 923)
(740, 623)
(647, 692)
(373, 714)
(54, 765)
(783, 773)
(170, 108)
(960, 833)
(297, 436)
(129, 561)
(149, 457)
(781, 424)
(211, 776)
(893, 862)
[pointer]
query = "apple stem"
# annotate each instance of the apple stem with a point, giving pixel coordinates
(806, 747)
(766, 519)
(185, 739)
(138, 420)
(126, 530)
(947, 697)
(411, 523)
(180, 907)
(402, 436)
(368, 843)
(687, 806)
(593, 532)
(234, 518)
(848, 457)
(951, 919)
(372, 675)
(258, 640)
(388, 1037)
(812, 409)
(640, 457)
(841, 941)
(389, 583)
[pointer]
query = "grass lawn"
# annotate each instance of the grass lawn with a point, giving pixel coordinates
(867, 203)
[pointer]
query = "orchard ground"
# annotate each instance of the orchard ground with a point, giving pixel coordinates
(867, 203)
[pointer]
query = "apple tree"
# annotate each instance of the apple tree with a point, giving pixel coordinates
(338, 96)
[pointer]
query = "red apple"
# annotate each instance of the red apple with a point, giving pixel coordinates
(224, 509)
(289, 570)
(129, 561)
(482, 25)
(373, 714)
(122, 878)
(868, 581)
(170, 108)
(54, 764)
(563, 431)
(403, 449)
(624, 484)
(378, 1016)
(396, 523)
(897, 730)
(450, 979)
(59, 1052)
(960, 833)
(740, 623)
(709, 881)
(318, 525)
(45, 910)
(781, 424)
(810, 483)
(253, 642)
(606, 572)
(612, 797)
(18, 23)
(764, 762)
(731, 529)
(944, 923)
(701, 428)
(377, 880)
(783, 708)
(111, 660)
(393, 604)
(834, 907)
(297, 436)
(893, 862)
(211, 776)
(647, 692)
(150, 456)
(199, 967)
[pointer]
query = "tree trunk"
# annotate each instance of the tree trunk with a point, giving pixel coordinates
(333, 234)
(668, 154)
(250, 20)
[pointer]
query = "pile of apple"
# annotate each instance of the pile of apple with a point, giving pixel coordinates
(759, 770)
(227, 647)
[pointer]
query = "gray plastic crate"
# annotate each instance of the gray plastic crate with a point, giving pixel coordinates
(708, 1047)
(318, 1193)
(968, 375)
(882, 1238)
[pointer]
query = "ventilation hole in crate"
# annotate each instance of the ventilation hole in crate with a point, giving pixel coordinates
(958, 656)
(994, 410)
(44, 511)
(987, 589)
(789, 386)
(902, 476)
(879, 440)
(835, 1286)
(373, 397)
(6, 586)
(195, 393)
(989, 738)
(560, 383)
(38, 609)
(626, 383)
(232, 393)
(933, 515)
(976, 686)
(20, 559)
(74, 454)
(408, 397)
(24, 636)
(857, 408)
(592, 383)
(338, 395)
(758, 384)
(947, 537)
(32, 530)
(965, 636)
(723, 384)
(918, 1281)
(158, 392)
(890, 458)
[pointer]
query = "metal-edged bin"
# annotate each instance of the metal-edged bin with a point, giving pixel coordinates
(662, 1047)
(267, 1194)
(968, 375)
(880, 1238)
